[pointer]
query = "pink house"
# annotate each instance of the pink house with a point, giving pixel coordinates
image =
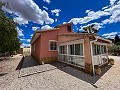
(81, 50)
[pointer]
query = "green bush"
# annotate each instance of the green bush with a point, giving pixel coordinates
(114, 50)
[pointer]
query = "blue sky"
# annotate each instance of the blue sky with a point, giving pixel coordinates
(32, 15)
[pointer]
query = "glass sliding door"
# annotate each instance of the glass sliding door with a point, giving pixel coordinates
(72, 54)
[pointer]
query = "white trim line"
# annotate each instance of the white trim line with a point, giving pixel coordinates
(92, 54)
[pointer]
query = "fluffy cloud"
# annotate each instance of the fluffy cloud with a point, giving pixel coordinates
(91, 15)
(56, 12)
(27, 40)
(46, 27)
(113, 10)
(45, 8)
(110, 35)
(47, 1)
(20, 32)
(25, 45)
(28, 10)
(31, 35)
(35, 28)
(115, 14)
(97, 26)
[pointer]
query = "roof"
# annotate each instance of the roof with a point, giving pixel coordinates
(77, 34)
(37, 33)
(86, 34)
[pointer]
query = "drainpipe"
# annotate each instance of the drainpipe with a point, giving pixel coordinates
(92, 53)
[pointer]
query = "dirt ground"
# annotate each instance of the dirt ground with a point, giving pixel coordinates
(64, 78)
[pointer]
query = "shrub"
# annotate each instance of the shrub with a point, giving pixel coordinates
(115, 49)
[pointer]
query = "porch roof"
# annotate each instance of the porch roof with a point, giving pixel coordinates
(90, 35)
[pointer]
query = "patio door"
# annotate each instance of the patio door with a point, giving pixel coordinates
(99, 54)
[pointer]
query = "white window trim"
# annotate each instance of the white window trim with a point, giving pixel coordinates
(49, 45)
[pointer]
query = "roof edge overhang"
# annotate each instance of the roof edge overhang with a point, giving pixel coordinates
(38, 32)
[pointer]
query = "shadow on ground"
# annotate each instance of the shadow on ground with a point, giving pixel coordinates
(84, 76)
(28, 61)
(2, 74)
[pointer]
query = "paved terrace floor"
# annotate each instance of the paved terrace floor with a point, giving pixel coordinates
(58, 76)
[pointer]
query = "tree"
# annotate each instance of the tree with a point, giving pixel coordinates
(117, 40)
(9, 41)
(91, 29)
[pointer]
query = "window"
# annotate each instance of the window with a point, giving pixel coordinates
(63, 50)
(79, 49)
(53, 45)
(99, 49)
(69, 28)
(71, 49)
(76, 49)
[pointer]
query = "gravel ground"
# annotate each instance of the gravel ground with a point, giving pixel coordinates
(64, 78)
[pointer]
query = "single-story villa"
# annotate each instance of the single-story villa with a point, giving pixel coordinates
(81, 50)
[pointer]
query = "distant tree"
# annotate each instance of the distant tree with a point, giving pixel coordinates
(117, 40)
(9, 41)
(91, 29)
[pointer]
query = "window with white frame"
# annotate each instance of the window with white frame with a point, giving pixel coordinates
(63, 49)
(99, 49)
(53, 45)
(76, 49)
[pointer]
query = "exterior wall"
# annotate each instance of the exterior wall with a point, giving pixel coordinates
(47, 56)
(36, 53)
(62, 39)
(87, 54)
(45, 53)
(63, 29)
(87, 49)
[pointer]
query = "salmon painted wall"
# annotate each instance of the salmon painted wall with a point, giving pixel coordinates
(45, 37)
(63, 29)
(42, 43)
(36, 53)
(51, 35)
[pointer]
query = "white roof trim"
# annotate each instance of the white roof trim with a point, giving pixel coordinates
(35, 37)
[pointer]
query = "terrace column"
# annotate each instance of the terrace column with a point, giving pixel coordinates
(87, 55)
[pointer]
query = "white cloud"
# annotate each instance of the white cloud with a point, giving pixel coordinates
(35, 28)
(20, 32)
(91, 15)
(28, 10)
(48, 1)
(25, 45)
(46, 27)
(45, 8)
(112, 10)
(31, 35)
(56, 20)
(27, 40)
(115, 14)
(97, 26)
(56, 12)
(22, 39)
(110, 35)
(20, 20)
(64, 22)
